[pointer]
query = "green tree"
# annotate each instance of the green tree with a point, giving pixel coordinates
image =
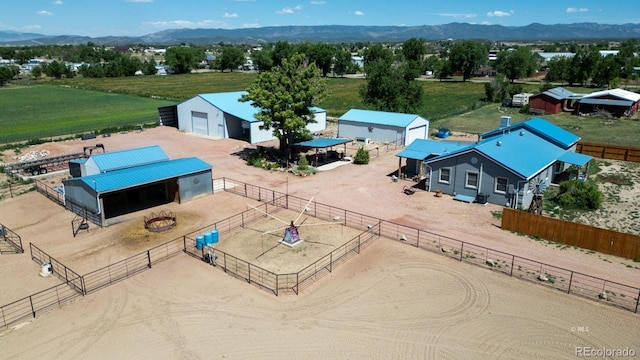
(558, 69)
(516, 64)
(181, 59)
(284, 97)
(342, 62)
(321, 55)
(281, 50)
(413, 51)
(606, 70)
(362, 156)
(6, 74)
(231, 58)
(36, 72)
(55, 69)
(262, 60)
(466, 57)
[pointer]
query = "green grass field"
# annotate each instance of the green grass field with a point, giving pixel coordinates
(39, 112)
(73, 106)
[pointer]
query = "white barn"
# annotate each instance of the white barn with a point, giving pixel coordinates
(382, 127)
(222, 115)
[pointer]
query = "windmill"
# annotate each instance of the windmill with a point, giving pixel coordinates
(539, 186)
(291, 236)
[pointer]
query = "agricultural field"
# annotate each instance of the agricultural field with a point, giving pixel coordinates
(45, 111)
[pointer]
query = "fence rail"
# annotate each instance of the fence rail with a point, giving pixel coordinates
(588, 237)
(130, 266)
(73, 206)
(58, 269)
(605, 151)
(11, 239)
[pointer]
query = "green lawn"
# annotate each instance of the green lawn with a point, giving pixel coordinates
(45, 111)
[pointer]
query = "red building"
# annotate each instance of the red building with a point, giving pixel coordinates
(554, 100)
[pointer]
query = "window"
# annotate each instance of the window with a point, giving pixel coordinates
(445, 175)
(472, 180)
(501, 185)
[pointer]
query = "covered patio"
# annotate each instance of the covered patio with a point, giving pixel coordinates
(324, 149)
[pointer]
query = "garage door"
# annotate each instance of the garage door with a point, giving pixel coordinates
(200, 123)
(418, 132)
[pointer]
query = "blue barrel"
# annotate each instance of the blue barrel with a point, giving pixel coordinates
(207, 238)
(214, 236)
(199, 242)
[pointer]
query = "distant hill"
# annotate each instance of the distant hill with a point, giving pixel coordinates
(346, 33)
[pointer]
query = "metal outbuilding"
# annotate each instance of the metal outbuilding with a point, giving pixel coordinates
(131, 181)
(382, 127)
(223, 115)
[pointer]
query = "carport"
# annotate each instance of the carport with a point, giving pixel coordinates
(324, 143)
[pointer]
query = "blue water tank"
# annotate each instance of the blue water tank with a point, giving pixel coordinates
(207, 238)
(443, 133)
(199, 242)
(214, 236)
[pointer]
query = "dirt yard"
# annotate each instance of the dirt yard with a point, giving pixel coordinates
(391, 301)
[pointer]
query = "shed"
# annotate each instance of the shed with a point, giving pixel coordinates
(119, 190)
(383, 127)
(223, 115)
(554, 100)
(618, 102)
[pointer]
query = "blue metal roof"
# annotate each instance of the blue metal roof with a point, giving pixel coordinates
(574, 158)
(561, 93)
(323, 142)
(144, 174)
(540, 127)
(610, 102)
(115, 160)
(379, 117)
(421, 149)
(229, 102)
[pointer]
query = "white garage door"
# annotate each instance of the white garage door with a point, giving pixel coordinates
(418, 132)
(200, 123)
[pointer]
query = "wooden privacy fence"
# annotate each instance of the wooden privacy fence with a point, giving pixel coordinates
(570, 233)
(604, 151)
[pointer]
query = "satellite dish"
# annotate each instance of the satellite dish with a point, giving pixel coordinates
(46, 269)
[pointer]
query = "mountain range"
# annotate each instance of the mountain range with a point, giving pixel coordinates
(343, 34)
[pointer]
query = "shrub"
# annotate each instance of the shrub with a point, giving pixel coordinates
(256, 159)
(303, 163)
(579, 195)
(362, 156)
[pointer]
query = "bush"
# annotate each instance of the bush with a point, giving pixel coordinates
(303, 163)
(525, 109)
(362, 156)
(575, 194)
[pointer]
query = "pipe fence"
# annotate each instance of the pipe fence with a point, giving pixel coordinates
(12, 240)
(70, 277)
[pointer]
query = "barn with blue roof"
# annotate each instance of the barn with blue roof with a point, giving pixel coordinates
(223, 115)
(382, 127)
(112, 184)
(505, 166)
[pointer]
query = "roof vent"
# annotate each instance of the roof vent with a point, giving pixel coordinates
(521, 133)
(499, 143)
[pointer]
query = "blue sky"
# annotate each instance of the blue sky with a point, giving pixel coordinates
(141, 17)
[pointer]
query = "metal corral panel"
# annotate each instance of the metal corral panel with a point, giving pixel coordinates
(116, 160)
(139, 175)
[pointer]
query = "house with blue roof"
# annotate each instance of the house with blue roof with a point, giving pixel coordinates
(223, 115)
(505, 166)
(112, 184)
(382, 127)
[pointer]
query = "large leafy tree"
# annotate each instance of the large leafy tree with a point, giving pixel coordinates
(466, 57)
(7, 73)
(284, 97)
(181, 59)
(517, 63)
(390, 87)
(413, 51)
(606, 70)
(231, 58)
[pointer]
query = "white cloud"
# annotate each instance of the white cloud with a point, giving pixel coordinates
(45, 13)
(254, 25)
(358, 13)
(290, 10)
(227, 15)
(499, 13)
(57, 2)
(573, 10)
(459, 16)
(316, 2)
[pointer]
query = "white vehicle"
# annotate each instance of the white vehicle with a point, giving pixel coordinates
(520, 100)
